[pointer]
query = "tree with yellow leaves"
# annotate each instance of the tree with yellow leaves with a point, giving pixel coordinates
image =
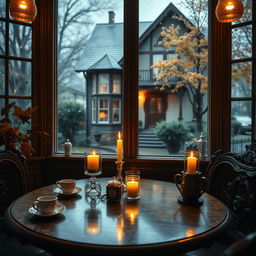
(189, 65)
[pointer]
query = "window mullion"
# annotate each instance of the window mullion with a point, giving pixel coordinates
(253, 69)
(131, 53)
(219, 82)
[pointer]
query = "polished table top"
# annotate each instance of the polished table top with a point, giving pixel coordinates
(154, 221)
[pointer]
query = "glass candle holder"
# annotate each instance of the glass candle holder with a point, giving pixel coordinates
(132, 180)
(191, 161)
(92, 168)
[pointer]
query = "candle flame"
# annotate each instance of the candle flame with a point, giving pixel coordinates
(94, 152)
(191, 153)
(119, 135)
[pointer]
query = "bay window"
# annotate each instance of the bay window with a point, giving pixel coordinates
(116, 97)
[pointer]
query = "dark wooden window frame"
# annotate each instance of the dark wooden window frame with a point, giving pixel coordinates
(7, 57)
(252, 59)
(219, 87)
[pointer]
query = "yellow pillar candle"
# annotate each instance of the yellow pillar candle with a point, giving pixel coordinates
(132, 188)
(93, 162)
(191, 164)
(119, 149)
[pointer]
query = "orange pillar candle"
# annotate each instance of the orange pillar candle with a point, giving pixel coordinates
(93, 161)
(191, 164)
(132, 188)
(119, 149)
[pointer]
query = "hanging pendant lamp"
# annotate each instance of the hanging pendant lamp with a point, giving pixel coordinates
(229, 10)
(23, 10)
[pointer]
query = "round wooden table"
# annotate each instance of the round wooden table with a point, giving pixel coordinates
(154, 222)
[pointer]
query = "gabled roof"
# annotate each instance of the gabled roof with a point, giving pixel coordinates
(106, 62)
(171, 8)
(106, 39)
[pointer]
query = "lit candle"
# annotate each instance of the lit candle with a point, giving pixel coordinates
(191, 164)
(132, 188)
(93, 161)
(119, 148)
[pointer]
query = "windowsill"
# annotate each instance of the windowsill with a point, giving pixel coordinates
(140, 159)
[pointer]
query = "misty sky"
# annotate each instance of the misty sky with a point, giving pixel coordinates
(148, 10)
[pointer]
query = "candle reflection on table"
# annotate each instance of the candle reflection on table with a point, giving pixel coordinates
(132, 210)
(190, 232)
(120, 228)
(93, 221)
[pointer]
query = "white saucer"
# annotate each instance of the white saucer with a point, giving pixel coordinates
(74, 192)
(59, 209)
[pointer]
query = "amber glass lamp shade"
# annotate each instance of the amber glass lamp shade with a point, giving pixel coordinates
(229, 10)
(23, 10)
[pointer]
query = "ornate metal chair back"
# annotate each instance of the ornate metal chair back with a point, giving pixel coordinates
(13, 178)
(232, 179)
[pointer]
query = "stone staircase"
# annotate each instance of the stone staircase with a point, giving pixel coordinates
(148, 139)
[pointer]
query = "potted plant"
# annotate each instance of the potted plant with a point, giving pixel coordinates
(173, 134)
(140, 123)
(17, 137)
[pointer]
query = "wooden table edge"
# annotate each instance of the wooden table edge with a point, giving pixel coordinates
(53, 244)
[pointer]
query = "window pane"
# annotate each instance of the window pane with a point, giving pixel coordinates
(103, 85)
(170, 113)
(2, 104)
(23, 104)
(242, 79)
(247, 15)
(2, 8)
(89, 50)
(94, 108)
(241, 123)
(156, 58)
(2, 76)
(19, 78)
(20, 41)
(242, 42)
(116, 111)
(116, 83)
(94, 84)
(2, 37)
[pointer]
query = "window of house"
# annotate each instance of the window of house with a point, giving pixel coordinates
(15, 62)
(94, 109)
(156, 57)
(243, 84)
(103, 84)
(103, 110)
(94, 84)
(116, 111)
(116, 83)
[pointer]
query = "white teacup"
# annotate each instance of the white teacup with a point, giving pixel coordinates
(45, 204)
(66, 185)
